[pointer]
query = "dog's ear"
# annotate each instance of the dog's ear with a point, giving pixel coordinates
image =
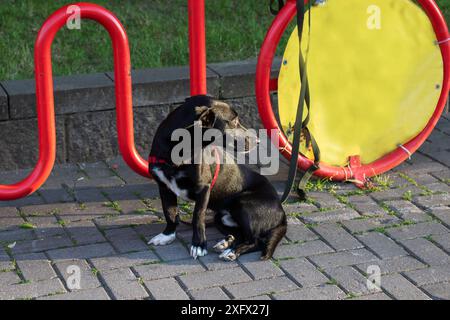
(206, 116)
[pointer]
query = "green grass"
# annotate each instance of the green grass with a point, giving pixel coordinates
(157, 31)
(27, 225)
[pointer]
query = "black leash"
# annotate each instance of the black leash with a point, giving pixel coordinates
(301, 125)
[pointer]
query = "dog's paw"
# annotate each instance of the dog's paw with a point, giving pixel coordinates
(224, 244)
(198, 251)
(162, 239)
(228, 255)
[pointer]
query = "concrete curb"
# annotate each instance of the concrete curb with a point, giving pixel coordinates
(85, 110)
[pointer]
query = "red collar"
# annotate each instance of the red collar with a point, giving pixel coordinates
(155, 160)
(217, 170)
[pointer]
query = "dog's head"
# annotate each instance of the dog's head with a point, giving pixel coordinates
(224, 118)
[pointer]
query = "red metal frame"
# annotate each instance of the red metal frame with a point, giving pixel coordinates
(123, 92)
(45, 99)
(264, 85)
(197, 46)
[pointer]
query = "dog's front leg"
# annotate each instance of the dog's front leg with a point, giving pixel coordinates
(198, 248)
(169, 205)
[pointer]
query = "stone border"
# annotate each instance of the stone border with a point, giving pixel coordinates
(85, 109)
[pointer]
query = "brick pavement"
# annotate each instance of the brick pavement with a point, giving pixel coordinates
(93, 220)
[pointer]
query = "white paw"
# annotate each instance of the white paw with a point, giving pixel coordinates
(198, 252)
(162, 239)
(228, 255)
(220, 246)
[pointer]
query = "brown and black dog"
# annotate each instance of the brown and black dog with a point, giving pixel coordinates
(247, 207)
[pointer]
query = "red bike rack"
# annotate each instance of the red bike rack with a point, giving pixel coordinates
(356, 171)
(122, 76)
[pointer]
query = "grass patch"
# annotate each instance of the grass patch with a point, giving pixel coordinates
(157, 32)
(332, 282)
(381, 183)
(113, 205)
(407, 195)
(27, 225)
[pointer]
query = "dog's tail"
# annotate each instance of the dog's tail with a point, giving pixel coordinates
(274, 237)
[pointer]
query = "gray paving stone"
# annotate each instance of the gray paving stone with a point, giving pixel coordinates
(8, 278)
(424, 167)
(443, 240)
(364, 225)
(257, 298)
(31, 289)
(259, 269)
(427, 251)
(375, 296)
(82, 252)
(173, 251)
(337, 237)
(395, 194)
(169, 269)
(402, 289)
(29, 246)
(119, 221)
(212, 262)
(166, 289)
(331, 216)
(442, 213)
(132, 206)
(302, 250)
(436, 200)
(89, 194)
(214, 278)
(89, 211)
(399, 264)
(383, 246)
(438, 187)
(88, 278)
(35, 266)
(429, 275)
(325, 200)
(124, 260)
(417, 231)
(124, 285)
(299, 208)
(10, 219)
(84, 232)
(344, 258)
(299, 232)
(261, 287)
(366, 206)
(125, 240)
(408, 211)
(325, 292)
(304, 272)
(439, 291)
(89, 295)
(16, 235)
(350, 279)
(209, 294)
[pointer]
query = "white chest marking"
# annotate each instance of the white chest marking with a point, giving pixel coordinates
(172, 184)
(228, 220)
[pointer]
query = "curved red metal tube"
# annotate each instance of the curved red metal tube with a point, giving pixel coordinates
(45, 99)
(197, 46)
(389, 161)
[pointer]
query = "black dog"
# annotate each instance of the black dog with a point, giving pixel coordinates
(247, 208)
